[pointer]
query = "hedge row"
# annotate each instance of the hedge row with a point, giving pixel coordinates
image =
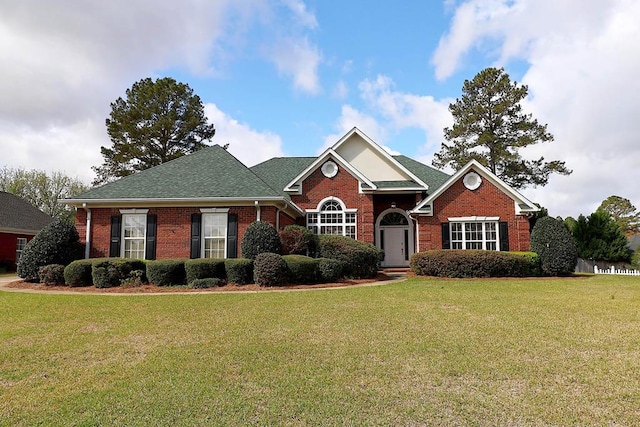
(360, 259)
(475, 263)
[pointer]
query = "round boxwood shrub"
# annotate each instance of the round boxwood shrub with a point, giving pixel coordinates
(555, 245)
(298, 240)
(360, 259)
(329, 270)
(302, 269)
(166, 272)
(270, 269)
(260, 237)
(56, 243)
(52, 274)
(111, 272)
(239, 270)
(204, 268)
(78, 273)
(209, 282)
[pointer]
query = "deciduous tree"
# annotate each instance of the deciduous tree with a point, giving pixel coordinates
(490, 127)
(623, 213)
(157, 121)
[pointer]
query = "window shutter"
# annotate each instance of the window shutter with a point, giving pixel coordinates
(446, 238)
(232, 236)
(150, 245)
(503, 228)
(116, 224)
(196, 233)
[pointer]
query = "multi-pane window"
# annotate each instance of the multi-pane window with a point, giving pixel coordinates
(332, 218)
(20, 244)
(134, 228)
(474, 235)
(214, 235)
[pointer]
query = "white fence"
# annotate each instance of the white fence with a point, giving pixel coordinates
(613, 270)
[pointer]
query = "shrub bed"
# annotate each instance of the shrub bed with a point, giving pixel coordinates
(209, 282)
(167, 272)
(270, 269)
(474, 263)
(52, 274)
(204, 268)
(110, 272)
(239, 270)
(360, 259)
(302, 269)
(78, 273)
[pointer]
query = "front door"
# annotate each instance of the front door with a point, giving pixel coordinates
(394, 238)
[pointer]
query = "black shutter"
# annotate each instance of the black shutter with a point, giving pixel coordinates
(150, 246)
(406, 245)
(232, 236)
(446, 238)
(504, 235)
(114, 247)
(196, 233)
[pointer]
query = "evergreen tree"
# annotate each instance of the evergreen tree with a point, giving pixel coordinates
(490, 127)
(623, 213)
(599, 238)
(158, 121)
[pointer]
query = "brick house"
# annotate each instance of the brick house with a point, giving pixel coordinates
(19, 223)
(200, 205)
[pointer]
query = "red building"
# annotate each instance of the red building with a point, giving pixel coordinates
(19, 222)
(201, 204)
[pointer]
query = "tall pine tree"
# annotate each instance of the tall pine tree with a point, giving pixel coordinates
(490, 127)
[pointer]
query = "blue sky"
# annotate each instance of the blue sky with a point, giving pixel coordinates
(290, 77)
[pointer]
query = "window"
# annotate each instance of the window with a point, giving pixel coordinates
(474, 235)
(332, 217)
(20, 244)
(134, 228)
(214, 235)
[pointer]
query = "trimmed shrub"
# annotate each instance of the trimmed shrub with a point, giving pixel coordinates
(78, 273)
(555, 245)
(474, 263)
(209, 282)
(239, 270)
(260, 237)
(360, 259)
(270, 269)
(204, 268)
(134, 279)
(52, 274)
(298, 240)
(329, 270)
(302, 269)
(57, 243)
(167, 272)
(110, 272)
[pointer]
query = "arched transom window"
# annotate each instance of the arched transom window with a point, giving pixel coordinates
(332, 217)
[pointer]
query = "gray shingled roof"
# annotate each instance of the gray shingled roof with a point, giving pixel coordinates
(434, 178)
(279, 171)
(211, 172)
(17, 214)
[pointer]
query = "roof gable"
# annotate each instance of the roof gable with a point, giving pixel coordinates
(522, 204)
(19, 216)
(211, 172)
(366, 161)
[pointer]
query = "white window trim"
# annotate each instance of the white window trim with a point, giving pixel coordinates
(123, 239)
(214, 211)
(344, 211)
(18, 249)
(469, 220)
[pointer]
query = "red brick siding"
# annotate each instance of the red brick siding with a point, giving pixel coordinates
(174, 228)
(345, 187)
(8, 246)
(487, 200)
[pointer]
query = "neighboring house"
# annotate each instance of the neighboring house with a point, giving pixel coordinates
(19, 222)
(200, 205)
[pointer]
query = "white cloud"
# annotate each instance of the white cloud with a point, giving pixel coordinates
(582, 78)
(246, 144)
(299, 59)
(301, 14)
(350, 118)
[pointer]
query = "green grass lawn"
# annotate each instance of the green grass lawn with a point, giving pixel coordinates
(422, 352)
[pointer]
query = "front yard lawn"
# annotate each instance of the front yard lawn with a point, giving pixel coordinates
(422, 352)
